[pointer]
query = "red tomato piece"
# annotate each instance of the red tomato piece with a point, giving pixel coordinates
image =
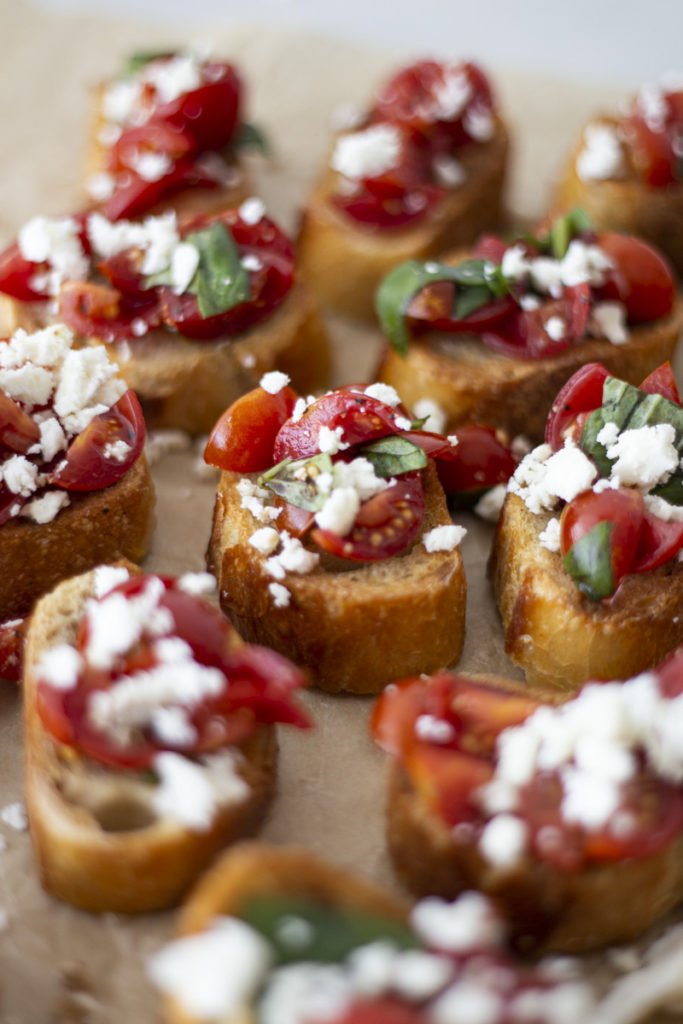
(447, 781)
(360, 417)
(393, 211)
(386, 524)
(581, 393)
(432, 307)
(134, 196)
(491, 248)
(296, 521)
(641, 277)
(623, 508)
(152, 138)
(18, 431)
(243, 438)
(12, 637)
(670, 674)
(91, 463)
(654, 148)
(479, 461)
(662, 382)
(658, 543)
(211, 112)
(17, 273)
(379, 1011)
(96, 311)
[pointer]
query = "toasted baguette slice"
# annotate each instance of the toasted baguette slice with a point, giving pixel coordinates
(98, 842)
(354, 628)
(546, 909)
(97, 526)
(344, 261)
(472, 384)
(628, 205)
(559, 637)
(185, 384)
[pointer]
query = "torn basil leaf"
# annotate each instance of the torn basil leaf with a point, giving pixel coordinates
(294, 480)
(393, 455)
(589, 562)
(220, 281)
(135, 62)
(250, 136)
(299, 929)
(565, 228)
(477, 282)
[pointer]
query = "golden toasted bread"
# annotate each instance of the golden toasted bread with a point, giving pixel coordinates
(98, 841)
(355, 628)
(627, 204)
(344, 261)
(473, 384)
(557, 635)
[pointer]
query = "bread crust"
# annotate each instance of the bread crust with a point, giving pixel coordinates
(354, 629)
(472, 384)
(547, 910)
(185, 384)
(628, 205)
(344, 262)
(97, 526)
(112, 852)
(557, 635)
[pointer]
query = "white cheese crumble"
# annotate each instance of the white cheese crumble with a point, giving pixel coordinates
(266, 540)
(434, 416)
(193, 969)
(252, 210)
(491, 503)
(448, 171)
(339, 512)
(54, 240)
(197, 583)
(106, 577)
(15, 816)
(367, 153)
(274, 382)
(186, 793)
(457, 927)
(281, 595)
(601, 155)
(45, 508)
(331, 440)
(59, 667)
(608, 320)
(444, 538)
(543, 477)
(383, 393)
(293, 557)
(645, 456)
(550, 536)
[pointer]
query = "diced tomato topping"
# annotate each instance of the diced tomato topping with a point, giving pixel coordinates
(356, 416)
(641, 277)
(12, 638)
(658, 543)
(243, 438)
(18, 431)
(479, 461)
(662, 382)
(581, 393)
(96, 311)
(623, 509)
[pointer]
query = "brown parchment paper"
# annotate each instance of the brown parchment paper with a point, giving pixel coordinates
(57, 964)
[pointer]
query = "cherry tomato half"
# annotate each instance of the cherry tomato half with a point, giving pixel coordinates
(662, 382)
(581, 393)
(624, 509)
(12, 637)
(479, 461)
(97, 311)
(641, 277)
(243, 438)
(386, 524)
(359, 417)
(211, 112)
(95, 458)
(18, 431)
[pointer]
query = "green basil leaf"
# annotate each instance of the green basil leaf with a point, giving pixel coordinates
(589, 443)
(221, 281)
(393, 455)
(294, 480)
(672, 490)
(563, 229)
(250, 136)
(589, 562)
(325, 934)
(401, 285)
(135, 62)
(418, 424)
(468, 300)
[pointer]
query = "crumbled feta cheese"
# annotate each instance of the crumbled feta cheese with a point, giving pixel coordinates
(360, 475)
(434, 416)
(148, 165)
(644, 457)
(165, 442)
(457, 927)
(45, 508)
(52, 438)
(172, 727)
(59, 667)
(330, 440)
(542, 477)
(101, 186)
(15, 816)
(293, 557)
(451, 95)
(491, 502)
(383, 393)
(252, 210)
(174, 77)
(274, 382)
(54, 240)
(503, 841)
(468, 1001)
(197, 583)
(19, 475)
(584, 262)
(433, 730)
(339, 512)
(266, 540)
(116, 451)
(401, 423)
(186, 793)
(602, 155)
(367, 153)
(31, 384)
(444, 538)
(478, 122)
(608, 320)
(106, 577)
(448, 171)
(215, 974)
(550, 537)
(280, 595)
(253, 500)
(556, 328)
(184, 264)
(251, 262)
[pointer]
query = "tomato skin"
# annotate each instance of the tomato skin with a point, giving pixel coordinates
(210, 113)
(361, 418)
(87, 466)
(581, 393)
(480, 461)
(151, 137)
(658, 543)
(12, 637)
(386, 524)
(433, 304)
(393, 212)
(18, 431)
(382, 1010)
(655, 149)
(16, 274)
(96, 311)
(641, 279)
(134, 196)
(243, 438)
(623, 508)
(662, 382)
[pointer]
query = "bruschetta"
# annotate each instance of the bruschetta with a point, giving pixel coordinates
(422, 171)
(276, 934)
(626, 169)
(586, 561)
(569, 817)
(492, 337)
(331, 540)
(75, 488)
(194, 312)
(167, 133)
(149, 736)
